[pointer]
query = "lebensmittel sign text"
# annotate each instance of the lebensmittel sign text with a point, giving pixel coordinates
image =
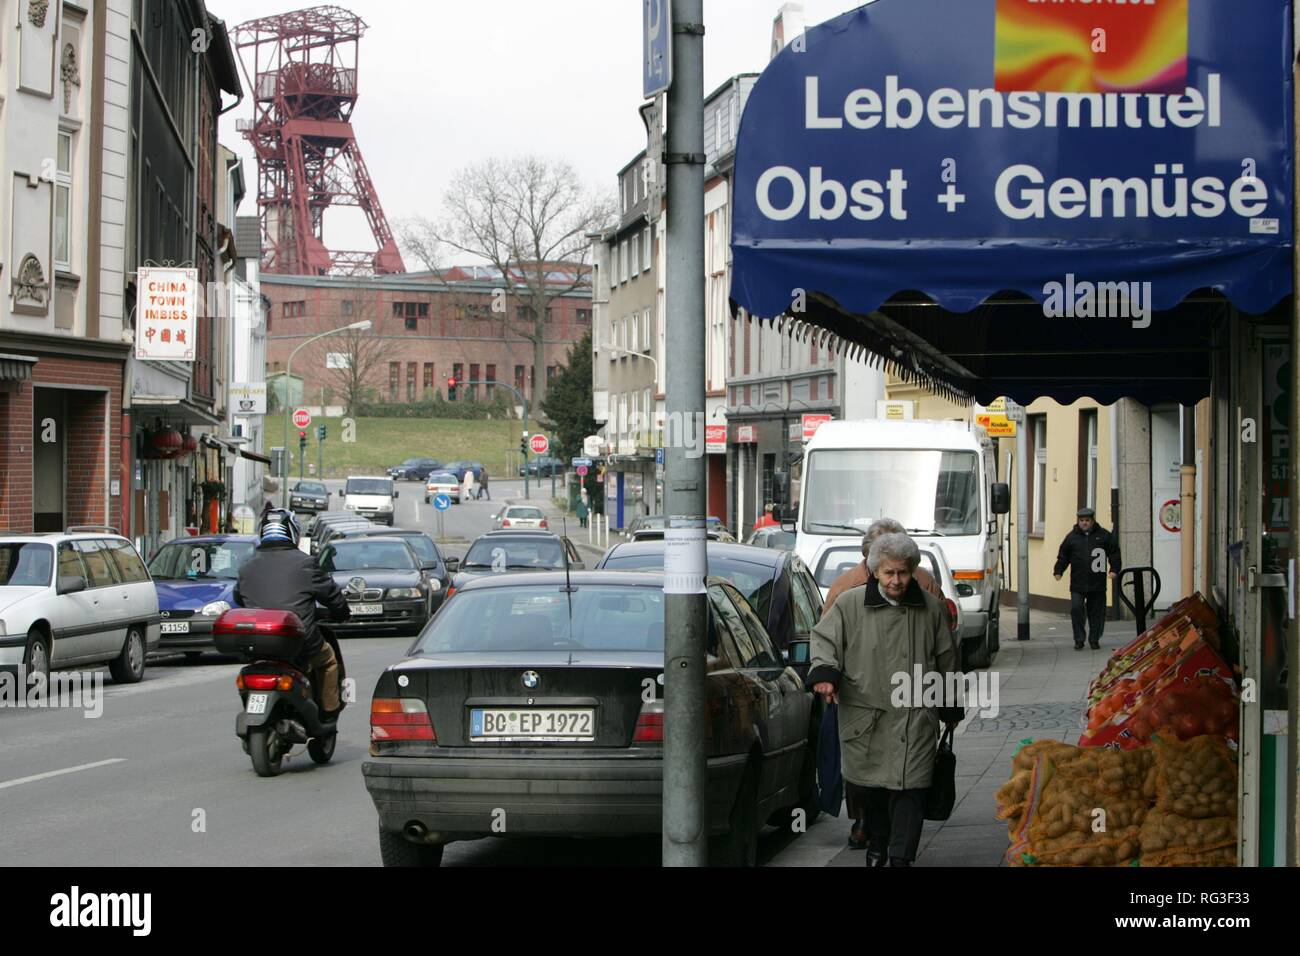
(1022, 141)
(166, 313)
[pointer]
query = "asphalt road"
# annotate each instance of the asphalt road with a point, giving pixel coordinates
(159, 779)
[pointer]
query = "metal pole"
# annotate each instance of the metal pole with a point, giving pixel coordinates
(685, 833)
(1022, 532)
(1114, 501)
(1187, 495)
(320, 456)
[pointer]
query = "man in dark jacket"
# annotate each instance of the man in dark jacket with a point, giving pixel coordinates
(281, 577)
(1086, 551)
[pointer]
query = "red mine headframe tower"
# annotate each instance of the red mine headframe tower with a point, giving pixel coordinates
(304, 78)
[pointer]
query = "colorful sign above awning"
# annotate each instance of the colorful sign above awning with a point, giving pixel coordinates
(1094, 157)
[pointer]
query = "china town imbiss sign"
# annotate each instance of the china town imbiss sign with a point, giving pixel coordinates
(166, 310)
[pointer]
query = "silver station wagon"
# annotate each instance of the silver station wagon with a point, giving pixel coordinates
(74, 599)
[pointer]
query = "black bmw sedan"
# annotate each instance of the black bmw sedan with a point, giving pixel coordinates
(546, 702)
(383, 582)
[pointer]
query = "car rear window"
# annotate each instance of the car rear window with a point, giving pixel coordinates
(25, 564)
(532, 619)
(514, 554)
(835, 562)
(442, 478)
(529, 513)
(425, 548)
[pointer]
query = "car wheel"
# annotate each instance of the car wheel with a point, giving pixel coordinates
(739, 845)
(128, 667)
(396, 850)
(321, 749)
(975, 653)
(36, 658)
(260, 742)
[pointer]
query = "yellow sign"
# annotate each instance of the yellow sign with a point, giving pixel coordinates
(895, 413)
(998, 406)
(997, 426)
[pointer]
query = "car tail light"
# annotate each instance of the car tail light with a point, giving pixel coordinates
(952, 614)
(400, 718)
(650, 724)
(264, 682)
(543, 524)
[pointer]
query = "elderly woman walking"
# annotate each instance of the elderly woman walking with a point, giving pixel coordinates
(872, 634)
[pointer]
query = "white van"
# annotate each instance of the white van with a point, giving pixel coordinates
(938, 479)
(370, 497)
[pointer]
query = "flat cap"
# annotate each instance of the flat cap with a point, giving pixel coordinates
(1085, 513)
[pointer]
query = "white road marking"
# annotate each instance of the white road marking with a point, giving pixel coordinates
(59, 773)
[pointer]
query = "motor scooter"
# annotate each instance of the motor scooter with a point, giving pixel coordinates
(281, 706)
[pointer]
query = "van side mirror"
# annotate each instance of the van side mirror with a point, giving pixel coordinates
(789, 518)
(396, 493)
(799, 651)
(1000, 493)
(453, 565)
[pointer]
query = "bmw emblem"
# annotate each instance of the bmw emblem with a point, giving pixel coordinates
(166, 613)
(357, 584)
(531, 679)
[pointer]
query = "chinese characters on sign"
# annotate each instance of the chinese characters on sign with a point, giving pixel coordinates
(166, 310)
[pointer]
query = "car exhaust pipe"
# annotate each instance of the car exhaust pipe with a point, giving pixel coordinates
(415, 831)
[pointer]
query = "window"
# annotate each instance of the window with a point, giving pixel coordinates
(769, 470)
(70, 565)
(410, 309)
(394, 379)
(428, 379)
(347, 307)
(547, 315)
(129, 565)
(410, 381)
(636, 331)
(458, 373)
(1037, 425)
(100, 574)
(412, 323)
(550, 374)
(473, 377)
(63, 203)
(1088, 458)
(622, 261)
(424, 310)
(519, 378)
(636, 255)
(583, 316)
(397, 310)
(491, 389)
(293, 309)
(807, 602)
(613, 266)
(645, 250)
(645, 332)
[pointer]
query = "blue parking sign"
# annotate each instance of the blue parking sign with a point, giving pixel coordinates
(657, 47)
(442, 502)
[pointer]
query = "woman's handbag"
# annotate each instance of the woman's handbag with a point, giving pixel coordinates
(943, 784)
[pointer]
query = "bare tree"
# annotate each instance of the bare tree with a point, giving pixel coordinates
(357, 352)
(529, 218)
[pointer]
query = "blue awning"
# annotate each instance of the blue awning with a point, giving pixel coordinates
(894, 185)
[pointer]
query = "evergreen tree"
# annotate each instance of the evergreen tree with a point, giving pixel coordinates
(567, 404)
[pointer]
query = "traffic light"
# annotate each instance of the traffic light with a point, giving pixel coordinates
(523, 445)
(451, 389)
(320, 432)
(302, 439)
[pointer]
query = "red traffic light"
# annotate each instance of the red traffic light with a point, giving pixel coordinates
(302, 435)
(451, 383)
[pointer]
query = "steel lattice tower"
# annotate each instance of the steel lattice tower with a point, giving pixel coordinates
(304, 78)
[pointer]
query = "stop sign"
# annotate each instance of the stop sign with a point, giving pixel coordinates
(539, 444)
(301, 418)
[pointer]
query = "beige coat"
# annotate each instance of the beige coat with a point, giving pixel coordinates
(859, 646)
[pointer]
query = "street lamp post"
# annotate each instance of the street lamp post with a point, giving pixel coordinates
(288, 394)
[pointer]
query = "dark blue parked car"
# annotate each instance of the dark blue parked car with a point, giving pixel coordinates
(195, 578)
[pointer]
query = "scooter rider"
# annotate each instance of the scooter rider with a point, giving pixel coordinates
(283, 578)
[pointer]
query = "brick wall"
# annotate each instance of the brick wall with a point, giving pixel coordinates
(87, 479)
(441, 337)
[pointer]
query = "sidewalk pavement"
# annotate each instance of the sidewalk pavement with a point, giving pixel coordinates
(1041, 684)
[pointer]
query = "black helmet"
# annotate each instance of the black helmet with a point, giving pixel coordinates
(279, 525)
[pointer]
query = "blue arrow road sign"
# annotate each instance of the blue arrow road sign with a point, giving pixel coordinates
(442, 502)
(659, 456)
(657, 47)
(579, 462)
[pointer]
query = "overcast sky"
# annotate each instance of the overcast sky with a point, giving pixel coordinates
(446, 83)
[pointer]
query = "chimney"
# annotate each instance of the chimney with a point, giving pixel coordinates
(786, 27)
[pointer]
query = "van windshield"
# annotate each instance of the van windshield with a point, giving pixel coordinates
(925, 489)
(369, 486)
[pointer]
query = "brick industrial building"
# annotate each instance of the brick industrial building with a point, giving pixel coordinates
(433, 329)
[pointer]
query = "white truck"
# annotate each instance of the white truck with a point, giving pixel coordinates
(938, 479)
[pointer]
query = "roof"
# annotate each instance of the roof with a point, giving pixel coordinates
(768, 557)
(556, 579)
(878, 433)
